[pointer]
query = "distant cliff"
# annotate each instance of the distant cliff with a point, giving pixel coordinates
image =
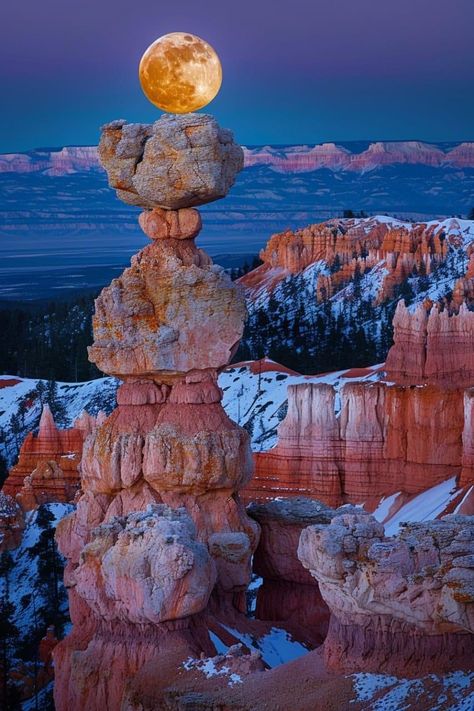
(287, 159)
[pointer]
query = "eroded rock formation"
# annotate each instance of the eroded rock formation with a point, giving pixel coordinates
(384, 439)
(402, 605)
(48, 463)
(160, 528)
(432, 343)
(177, 162)
(392, 250)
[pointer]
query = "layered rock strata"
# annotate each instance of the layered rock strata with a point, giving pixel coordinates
(160, 529)
(432, 344)
(383, 440)
(403, 605)
(395, 250)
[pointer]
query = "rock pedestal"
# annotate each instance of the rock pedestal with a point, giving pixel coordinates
(160, 527)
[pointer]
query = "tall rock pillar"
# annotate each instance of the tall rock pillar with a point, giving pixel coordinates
(159, 529)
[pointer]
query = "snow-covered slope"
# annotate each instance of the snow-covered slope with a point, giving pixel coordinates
(256, 400)
(325, 295)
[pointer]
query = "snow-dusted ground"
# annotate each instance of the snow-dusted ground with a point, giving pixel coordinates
(277, 647)
(453, 691)
(23, 579)
(255, 402)
(92, 395)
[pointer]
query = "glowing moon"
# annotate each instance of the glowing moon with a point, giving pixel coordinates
(180, 72)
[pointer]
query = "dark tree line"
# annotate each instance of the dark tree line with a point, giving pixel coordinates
(48, 340)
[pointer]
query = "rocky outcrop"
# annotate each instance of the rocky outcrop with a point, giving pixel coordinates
(289, 593)
(159, 531)
(48, 463)
(432, 344)
(352, 247)
(177, 162)
(402, 605)
(306, 460)
(172, 311)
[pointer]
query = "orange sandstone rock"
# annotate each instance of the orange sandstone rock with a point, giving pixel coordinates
(47, 467)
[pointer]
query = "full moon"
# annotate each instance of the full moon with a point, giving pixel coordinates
(180, 72)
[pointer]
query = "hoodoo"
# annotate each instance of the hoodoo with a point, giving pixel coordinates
(159, 531)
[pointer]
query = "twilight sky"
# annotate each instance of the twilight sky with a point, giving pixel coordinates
(301, 71)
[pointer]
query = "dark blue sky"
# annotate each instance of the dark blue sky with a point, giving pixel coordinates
(301, 71)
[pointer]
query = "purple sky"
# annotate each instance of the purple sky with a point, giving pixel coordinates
(304, 71)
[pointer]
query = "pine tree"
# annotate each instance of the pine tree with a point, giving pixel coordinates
(8, 636)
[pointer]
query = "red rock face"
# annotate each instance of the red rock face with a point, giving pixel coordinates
(48, 464)
(356, 245)
(384, 440)
(432, 345)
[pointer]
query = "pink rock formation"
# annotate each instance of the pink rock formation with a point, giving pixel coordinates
(432, 345)
(48, 463)
(160, 529)
(393, 249)
(402, 605)
(385, 440)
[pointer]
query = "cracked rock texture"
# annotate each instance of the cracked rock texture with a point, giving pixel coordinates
(145, 567)
(176, 162)
(402, 604)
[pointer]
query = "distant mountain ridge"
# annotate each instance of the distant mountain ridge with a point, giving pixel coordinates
(285, 159)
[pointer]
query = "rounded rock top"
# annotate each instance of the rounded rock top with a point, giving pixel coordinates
(177, 162)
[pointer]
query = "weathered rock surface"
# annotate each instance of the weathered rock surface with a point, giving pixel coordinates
(349, 246)
(171, 312)
(145, 567)
(48, 464)
(384, 440)
(404, 604)
(179, 161)
(160, 530)
(170, 224)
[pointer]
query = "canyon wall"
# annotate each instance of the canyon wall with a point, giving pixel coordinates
(287, 159)
(384, 439)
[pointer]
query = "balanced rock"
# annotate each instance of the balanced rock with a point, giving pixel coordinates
(171, 311)
(179, 161)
